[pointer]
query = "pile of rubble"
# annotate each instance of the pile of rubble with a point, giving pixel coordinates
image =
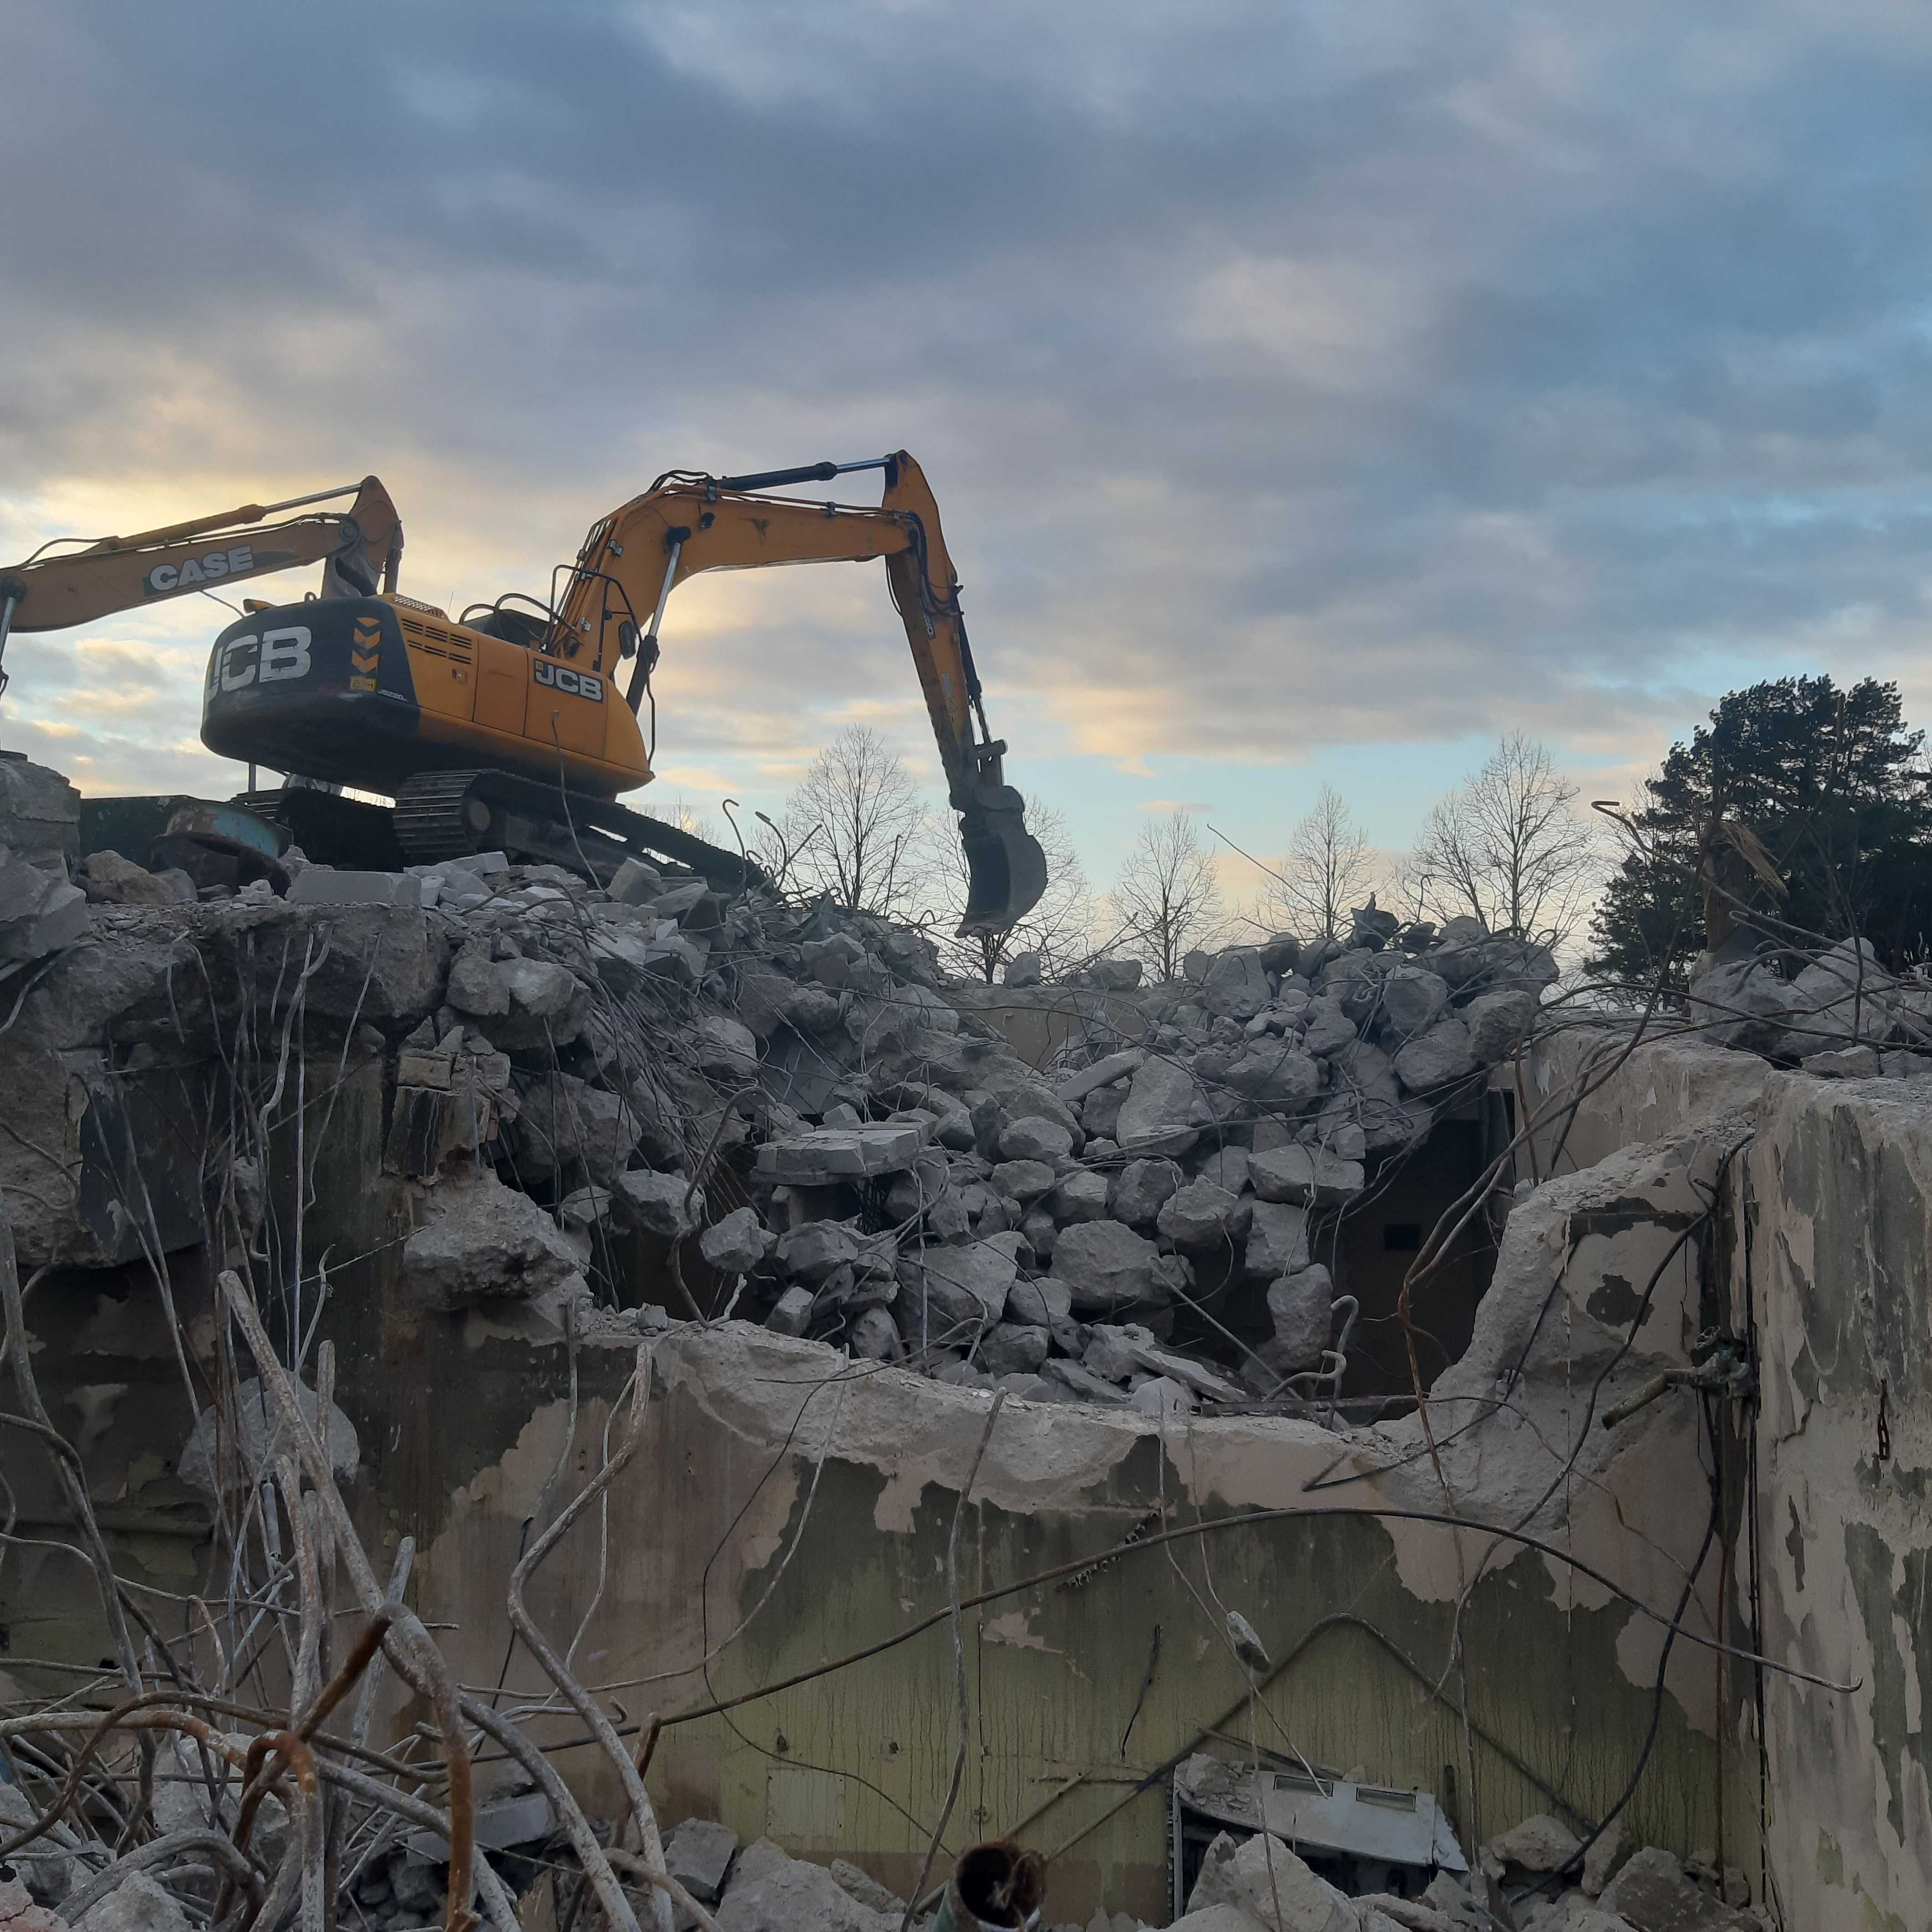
(1537, 1877)
(791, 1109)
(1528, 1880)
(1833, 1012)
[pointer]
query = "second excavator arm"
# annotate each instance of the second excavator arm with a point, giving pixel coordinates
(634, 558)
(361, 544)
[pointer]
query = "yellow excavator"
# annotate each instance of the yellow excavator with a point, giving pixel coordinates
(506, 726)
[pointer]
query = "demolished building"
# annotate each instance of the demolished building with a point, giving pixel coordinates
(1342, 1370)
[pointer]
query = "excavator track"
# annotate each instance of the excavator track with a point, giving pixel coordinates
(442, 815)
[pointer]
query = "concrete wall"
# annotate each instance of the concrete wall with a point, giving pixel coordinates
(1828, 1214)
(1839, 1196)
(777, 1482)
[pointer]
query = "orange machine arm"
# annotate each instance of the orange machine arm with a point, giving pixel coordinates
(634, 558)
(48, 593)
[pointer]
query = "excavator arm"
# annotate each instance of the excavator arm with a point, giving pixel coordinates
(634, 558)
(361, 545)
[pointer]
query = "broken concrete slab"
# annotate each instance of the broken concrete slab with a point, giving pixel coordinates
(820, 1157)
(1080, 1196)
(524, 1818)
(727, 1049)
(1843, 1063)
(1275, 1072)
(323, 885)
(1025, 1181)
(565, 1127)
(136, 1904)
(1540, 1844)
(1103, 1073)
(792, 1313)
(1498, 1023)
(1040, 1303)
(1012, 1348)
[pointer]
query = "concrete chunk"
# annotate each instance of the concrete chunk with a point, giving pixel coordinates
(1102, 1073)
(1305, 1176)
(478, 1240)
(821, 1155)
(636, 882)
(736, 1244)
(1652, 1893)
(1202, 1215)
(323, 885)
(1301, 1306)
(793, 1313)
(1435, 1058)
(1104, 1265)
(1235, 986)
(1263, 1878)
(698, 1855)
(39, 912)
(1136, 1193)
(1277, 1241)
(1157, 1117)
(657, 1203)
(1035, 1138)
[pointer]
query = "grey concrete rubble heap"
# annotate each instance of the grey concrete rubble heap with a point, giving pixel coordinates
(710, 1101)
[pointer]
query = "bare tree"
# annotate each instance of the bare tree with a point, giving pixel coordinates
(856, 827)
(1328, 868)
(1060, 929)
(1167, 897)
(678, 810)
(1508, 847)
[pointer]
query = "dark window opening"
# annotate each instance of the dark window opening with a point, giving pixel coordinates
(1401, 1237)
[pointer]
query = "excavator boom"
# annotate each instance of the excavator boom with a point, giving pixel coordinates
(686, 523)
(76, 586)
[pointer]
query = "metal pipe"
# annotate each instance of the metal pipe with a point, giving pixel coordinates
(647, 645)
(8, 599)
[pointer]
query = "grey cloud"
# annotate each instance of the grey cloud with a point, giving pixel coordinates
(1378, 376)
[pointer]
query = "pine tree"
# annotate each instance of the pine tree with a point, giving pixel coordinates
(1831, 785)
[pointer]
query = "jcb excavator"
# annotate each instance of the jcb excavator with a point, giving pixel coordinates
(505, 727)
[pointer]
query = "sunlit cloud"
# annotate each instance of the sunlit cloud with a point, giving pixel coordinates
(1298, 384)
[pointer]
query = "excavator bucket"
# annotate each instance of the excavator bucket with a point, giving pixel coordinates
(1006, 870)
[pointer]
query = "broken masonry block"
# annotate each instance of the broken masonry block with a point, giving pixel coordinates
(821, 1156)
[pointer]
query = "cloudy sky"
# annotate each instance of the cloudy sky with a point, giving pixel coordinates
(1313, 389)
